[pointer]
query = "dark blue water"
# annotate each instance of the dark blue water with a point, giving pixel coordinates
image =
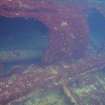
(97, 27)
(23, 34)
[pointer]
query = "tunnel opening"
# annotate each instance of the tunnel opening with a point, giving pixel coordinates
(22, 41)
(97, 30)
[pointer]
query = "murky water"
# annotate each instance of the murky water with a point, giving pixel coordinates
(31, 37)
(22, 41)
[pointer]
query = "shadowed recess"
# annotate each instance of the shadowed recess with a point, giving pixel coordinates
(22, 38)
(97, 27)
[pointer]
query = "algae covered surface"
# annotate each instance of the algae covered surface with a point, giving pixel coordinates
(45, 98)
(50, 99)
(91, 88)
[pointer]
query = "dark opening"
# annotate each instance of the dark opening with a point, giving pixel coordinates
(97, 27)
(22, 40)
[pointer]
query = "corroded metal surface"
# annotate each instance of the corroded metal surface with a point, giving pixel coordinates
(60, 20)
(68, 40)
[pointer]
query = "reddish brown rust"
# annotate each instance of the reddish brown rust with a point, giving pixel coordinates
(68, 35)
(67, 26)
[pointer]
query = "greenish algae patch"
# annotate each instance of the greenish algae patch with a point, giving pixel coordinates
(49, 98)
(84, 90)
